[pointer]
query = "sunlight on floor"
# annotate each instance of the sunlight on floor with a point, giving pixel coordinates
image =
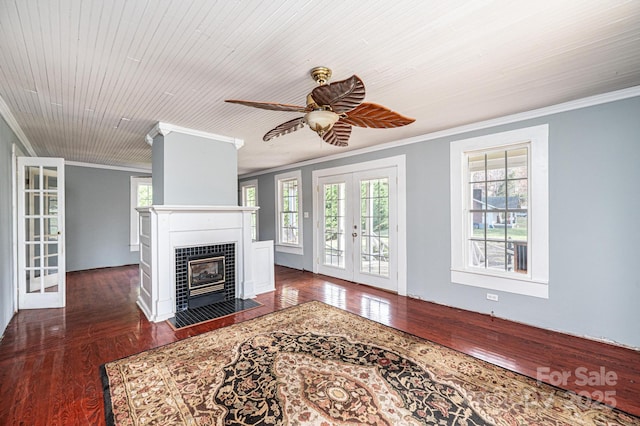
(376, 309)
(335, 295)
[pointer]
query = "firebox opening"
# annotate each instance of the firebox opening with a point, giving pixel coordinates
(206, 274)
(206, 279)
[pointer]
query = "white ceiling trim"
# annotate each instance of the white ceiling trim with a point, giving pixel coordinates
(165, 128)
(5, 112)
(604, 98)
(102, 166)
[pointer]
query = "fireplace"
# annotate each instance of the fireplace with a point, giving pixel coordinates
(170, 236)
(195, 210)
(205, 275)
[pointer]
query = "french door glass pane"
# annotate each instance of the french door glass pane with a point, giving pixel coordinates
(32, 229)
(32, 177)
(32, 203)
(50, 178)
(51, 203)
(50, 280)
(51, 260)
(32, 255)
(50, 228)
(34, 281)
(334, 224)
(374, 226)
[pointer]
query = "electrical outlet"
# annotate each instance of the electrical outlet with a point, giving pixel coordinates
(491, 296)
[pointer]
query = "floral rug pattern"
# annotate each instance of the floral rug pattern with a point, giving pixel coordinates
(314, 364)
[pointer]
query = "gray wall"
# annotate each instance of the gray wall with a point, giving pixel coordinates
(7, 290)
(594, 200)
(157, 161)
(97, 218)
(190, 170)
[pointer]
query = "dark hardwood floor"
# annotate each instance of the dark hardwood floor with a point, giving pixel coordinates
(49, 358)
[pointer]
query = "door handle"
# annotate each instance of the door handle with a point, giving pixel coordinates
(354, 234)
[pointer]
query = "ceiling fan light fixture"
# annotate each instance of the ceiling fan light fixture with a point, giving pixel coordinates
(321, 121)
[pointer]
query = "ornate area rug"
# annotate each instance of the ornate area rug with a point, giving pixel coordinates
(318, 365)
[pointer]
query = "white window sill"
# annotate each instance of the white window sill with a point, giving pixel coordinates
(282, 248)
(510, 284)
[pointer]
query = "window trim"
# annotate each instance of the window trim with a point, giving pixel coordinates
(251, 184)
(281, 246)
(134, 231)
(535, 283)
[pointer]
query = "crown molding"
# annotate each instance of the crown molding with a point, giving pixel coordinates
(604, 98)
(5, 112)
(165, 128)
(104, 166)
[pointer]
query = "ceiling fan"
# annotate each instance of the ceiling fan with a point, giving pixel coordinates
(332, 109)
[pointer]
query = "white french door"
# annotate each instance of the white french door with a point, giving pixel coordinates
(41, 260)
(357, 228)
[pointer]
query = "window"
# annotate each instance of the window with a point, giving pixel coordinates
(499, 211)
(289, 203)
(141, 196)
(497, 219)
(250, 199)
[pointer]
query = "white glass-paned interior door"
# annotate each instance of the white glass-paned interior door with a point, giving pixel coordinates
(358, 227)
(41, 261)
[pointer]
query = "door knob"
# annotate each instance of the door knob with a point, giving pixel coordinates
(354, 234)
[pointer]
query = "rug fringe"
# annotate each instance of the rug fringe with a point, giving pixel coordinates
(108, 408)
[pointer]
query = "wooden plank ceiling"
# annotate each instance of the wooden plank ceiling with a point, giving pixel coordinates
(86, 80)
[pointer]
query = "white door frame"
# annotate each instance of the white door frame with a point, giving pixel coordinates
(399, 162)
(15, 153)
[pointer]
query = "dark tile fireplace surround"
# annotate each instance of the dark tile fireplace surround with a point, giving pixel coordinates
(204, 307)
(184, 255)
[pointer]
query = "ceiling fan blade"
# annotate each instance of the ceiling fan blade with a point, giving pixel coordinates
(270, 105)
(339, 134)
(342, 96)
(284, 128)
(376, 116)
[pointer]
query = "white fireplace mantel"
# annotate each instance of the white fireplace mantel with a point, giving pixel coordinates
(164, 228)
